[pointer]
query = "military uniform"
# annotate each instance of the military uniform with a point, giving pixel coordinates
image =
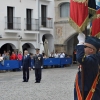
(38, 64)
(90, 63)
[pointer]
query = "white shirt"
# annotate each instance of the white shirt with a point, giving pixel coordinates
(1, 58)
(56, 55)
(62, 55)
(51, 55)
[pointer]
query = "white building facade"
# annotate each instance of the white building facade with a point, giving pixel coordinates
(65, 36)
(25, 24)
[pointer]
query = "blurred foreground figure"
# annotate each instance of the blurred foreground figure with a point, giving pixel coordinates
(88, 58)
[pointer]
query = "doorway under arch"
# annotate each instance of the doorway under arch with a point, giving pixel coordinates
(7, 47)
(28, 46)
(71, 43)
(50, 40)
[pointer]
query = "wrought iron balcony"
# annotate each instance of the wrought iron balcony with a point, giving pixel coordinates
(12, 23)
(31, 24)
(46, 22)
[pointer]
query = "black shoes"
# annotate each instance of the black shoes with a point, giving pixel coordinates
(23, 81)
(37, 82)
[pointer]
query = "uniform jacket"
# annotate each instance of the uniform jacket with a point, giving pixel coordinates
(38, 61)
(26, 61)
(91, 68)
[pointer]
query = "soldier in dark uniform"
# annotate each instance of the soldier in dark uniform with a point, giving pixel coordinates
(38, 65)
(26, 64)
(87, 57)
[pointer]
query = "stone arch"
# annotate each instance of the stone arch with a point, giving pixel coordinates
(60, 3)
(70, 43)
(28, 46)
(7, 47)
(50, 39)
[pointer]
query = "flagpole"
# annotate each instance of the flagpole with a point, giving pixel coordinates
(82, 72)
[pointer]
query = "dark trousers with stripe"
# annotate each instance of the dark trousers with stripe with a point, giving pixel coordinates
(38, 72)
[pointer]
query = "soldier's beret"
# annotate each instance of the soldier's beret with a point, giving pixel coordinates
(93, 41)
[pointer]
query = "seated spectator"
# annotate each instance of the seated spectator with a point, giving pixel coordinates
(13, 56)
(9, 52)
(51, 55)
(44, 56)
(56, 55)
(19, 56)
(4, 54)
(1, 60)
(62, 55)
(7, 56)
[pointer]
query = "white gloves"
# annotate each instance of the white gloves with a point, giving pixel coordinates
(21, 67)
(33, 66)
(81, 38)
(41, 66)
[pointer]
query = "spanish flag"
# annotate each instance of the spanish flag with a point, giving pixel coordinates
(79, 14)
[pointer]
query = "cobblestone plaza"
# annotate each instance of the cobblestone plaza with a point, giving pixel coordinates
(56, 84)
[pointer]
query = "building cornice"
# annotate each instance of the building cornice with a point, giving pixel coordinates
(25, 39)
(61, 22)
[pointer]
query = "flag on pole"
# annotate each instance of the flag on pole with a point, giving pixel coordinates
(96, 22)
(78, 14)
(96, 25)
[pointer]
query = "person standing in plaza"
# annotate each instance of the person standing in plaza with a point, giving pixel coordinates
(87, 82)
(26, 64)
(38, 65)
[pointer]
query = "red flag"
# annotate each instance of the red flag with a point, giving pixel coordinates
(96, 24)
(78, 14)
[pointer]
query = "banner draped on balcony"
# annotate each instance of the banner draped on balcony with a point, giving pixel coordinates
(96, 25)
(78, 14)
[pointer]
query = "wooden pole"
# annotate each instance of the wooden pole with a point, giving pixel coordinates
(82, 72)
(82, 79)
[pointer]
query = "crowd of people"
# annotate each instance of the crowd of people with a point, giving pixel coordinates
(11, 55)
(18, 56)
(14, 55)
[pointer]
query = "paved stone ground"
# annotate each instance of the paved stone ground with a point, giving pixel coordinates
(56, 84)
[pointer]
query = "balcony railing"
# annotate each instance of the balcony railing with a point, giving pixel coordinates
(46, 22)
(13, 23)
(31, 24)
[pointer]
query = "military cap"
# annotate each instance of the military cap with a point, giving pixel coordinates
(93, 41)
